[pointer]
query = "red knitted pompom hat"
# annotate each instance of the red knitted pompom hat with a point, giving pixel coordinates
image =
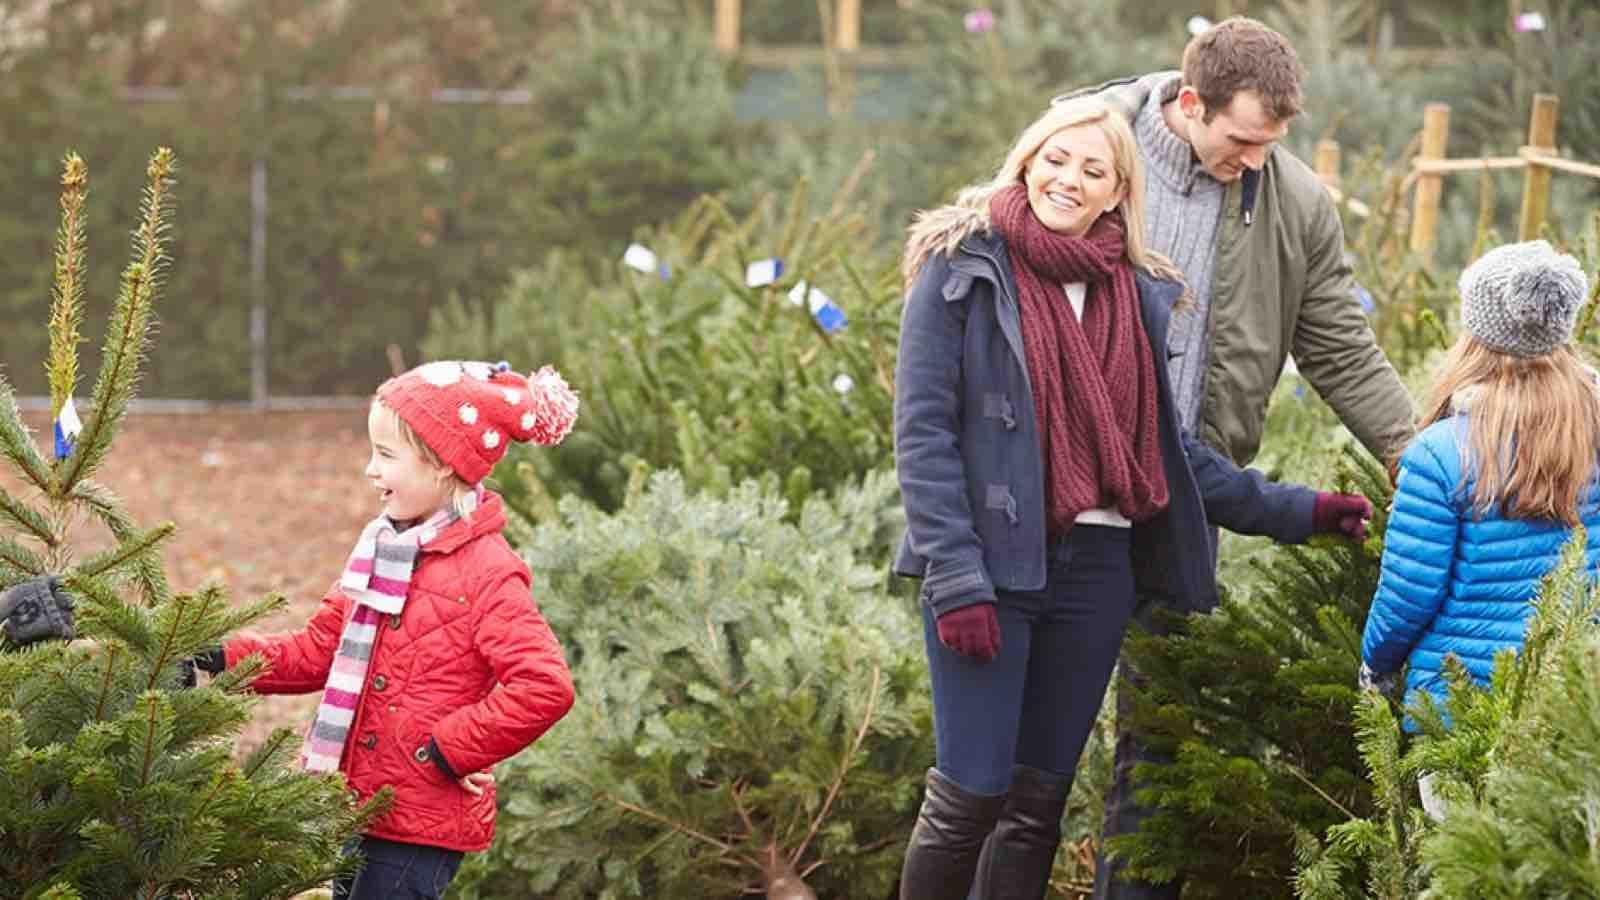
(469, 412)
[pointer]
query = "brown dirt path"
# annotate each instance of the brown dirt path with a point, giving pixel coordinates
(263, 502)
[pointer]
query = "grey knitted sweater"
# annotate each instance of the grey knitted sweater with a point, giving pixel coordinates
(1182, 209)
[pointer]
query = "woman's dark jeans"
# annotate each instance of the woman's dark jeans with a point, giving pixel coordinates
(1035, 703)
(396, 871)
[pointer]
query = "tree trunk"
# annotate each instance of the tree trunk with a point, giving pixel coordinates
(782, 882)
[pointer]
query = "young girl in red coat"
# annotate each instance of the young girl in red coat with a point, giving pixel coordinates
(432, 657)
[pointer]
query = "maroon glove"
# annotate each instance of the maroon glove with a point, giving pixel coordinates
(971, 631)
(1344, 514)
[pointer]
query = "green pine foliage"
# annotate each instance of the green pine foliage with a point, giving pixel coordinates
(1515, 766)
(1254, 704)
(114, 781)
(985, 87)
(754, 702)
(696, 371)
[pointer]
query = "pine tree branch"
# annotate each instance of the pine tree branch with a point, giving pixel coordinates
(1294, 770)
(150, 575)
(149, 741)
(132, 548)
(264, 754)
(681, 828)
(106, 683)
(844, 766)
(17, 445)
(66, 308)
(128, 335)
(27, 520)
(15, 556)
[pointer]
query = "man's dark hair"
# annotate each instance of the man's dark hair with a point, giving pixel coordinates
(1241, 54)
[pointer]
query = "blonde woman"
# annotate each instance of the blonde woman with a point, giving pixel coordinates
(1488, 494)
(1047, 486)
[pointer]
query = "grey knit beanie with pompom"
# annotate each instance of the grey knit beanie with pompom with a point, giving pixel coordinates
(1523, 299)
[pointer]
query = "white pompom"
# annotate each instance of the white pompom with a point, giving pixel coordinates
(441, 374)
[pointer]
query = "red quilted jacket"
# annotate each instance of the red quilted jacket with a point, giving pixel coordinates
(470, 663)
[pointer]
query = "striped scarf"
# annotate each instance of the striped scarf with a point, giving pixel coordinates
(377, 578)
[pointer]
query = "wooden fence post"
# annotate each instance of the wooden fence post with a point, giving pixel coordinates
(1536, 184)
(727, 26)
(849, 15)
(1425, 205)
(1327, 163)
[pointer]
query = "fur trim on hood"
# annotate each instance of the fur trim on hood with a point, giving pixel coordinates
(941, 230)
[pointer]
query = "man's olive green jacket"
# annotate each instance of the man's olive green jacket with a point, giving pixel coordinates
(1281, 286)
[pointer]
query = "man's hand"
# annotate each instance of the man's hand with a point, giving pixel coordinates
(37, 609)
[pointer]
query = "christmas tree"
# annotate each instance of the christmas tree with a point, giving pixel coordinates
(1515, 767)
(118, 781)
(1254, 704)
(755, 714)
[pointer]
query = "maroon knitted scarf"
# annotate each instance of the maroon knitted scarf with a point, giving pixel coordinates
(1094, 382)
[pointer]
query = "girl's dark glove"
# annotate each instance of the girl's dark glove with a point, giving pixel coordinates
(971, 631)
(1345, 514)
(212, 661)
(1388, 684)
(37, 609)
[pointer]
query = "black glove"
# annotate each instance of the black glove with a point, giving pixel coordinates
(37, 609)
(1386, 685)
(212, 661)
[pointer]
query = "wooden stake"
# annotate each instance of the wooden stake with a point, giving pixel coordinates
(849, 15)
(1327, 162)
(727, 26)
(1536, 184)
(1425, 204)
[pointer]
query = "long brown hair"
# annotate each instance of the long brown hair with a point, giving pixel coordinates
(1534, 428)
(941, 230)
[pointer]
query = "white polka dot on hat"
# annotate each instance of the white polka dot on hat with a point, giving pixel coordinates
(465, 411)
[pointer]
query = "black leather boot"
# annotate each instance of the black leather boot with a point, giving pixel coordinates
(1018, 856)
(944, 847)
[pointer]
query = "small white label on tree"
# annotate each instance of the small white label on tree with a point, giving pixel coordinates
(763, 272)
(641, 258)
(1529, 21)
(1198, 24)
(829, 316)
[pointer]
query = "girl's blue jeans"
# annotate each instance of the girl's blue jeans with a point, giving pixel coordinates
(1036, 702)
(396, 871)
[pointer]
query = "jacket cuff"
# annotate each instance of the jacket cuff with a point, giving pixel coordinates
(943, 591)
(1302, 502)
(437, 755)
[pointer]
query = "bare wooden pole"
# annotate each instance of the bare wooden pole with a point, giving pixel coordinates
(849, 15)
(727, 26)
(1425, 204)
(1326, 162)
(1536, 183)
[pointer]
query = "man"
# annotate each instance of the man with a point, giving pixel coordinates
(1261, 246)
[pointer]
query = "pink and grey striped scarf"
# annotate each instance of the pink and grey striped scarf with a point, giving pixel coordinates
(376, 578)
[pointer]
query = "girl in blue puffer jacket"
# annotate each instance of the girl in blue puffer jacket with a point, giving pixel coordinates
(1489, 492)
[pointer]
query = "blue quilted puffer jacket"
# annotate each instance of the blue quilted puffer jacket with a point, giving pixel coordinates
(1452, 581)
